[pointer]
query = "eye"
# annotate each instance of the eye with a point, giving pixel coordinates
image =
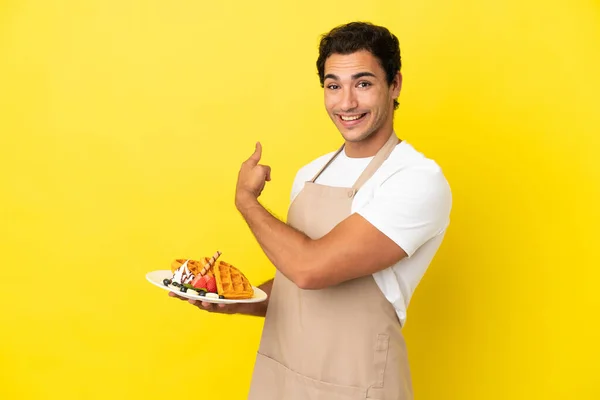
(333, 86)
(364, 84)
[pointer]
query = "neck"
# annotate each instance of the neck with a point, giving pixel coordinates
(369, 146)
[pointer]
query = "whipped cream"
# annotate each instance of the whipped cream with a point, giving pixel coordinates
(183, 274)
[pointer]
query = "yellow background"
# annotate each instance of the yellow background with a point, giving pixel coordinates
(122, 126)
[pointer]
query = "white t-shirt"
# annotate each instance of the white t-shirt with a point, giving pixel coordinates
(408, 199)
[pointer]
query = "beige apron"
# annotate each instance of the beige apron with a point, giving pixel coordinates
(339, 343)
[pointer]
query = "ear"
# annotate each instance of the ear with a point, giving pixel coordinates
(397, 85)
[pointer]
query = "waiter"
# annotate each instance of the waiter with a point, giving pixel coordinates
(364, 223)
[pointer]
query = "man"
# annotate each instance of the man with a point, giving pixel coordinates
(364, 223)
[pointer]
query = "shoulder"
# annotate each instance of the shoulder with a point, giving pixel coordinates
(411, 186)
(409, 168)
(409, 200)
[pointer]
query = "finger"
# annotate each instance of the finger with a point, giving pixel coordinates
(267, 171)
(255, 157)
(207, 305)
(199, 304)
(171, 294)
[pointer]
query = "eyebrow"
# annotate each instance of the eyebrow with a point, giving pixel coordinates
(354, 77)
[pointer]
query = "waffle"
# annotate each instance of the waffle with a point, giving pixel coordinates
(194, 266)
(176, 264)
(231, 283)
(204, 268)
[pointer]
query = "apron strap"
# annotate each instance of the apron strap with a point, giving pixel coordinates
(327, 165)
(382, 155)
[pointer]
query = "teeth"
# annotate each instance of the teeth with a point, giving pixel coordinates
(351, 118)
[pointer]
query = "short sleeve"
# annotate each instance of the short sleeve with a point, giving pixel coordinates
(410, 207)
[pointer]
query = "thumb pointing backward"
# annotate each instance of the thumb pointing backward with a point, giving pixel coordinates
(255, 157)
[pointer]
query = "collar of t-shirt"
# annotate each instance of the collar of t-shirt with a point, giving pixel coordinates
(344, 170)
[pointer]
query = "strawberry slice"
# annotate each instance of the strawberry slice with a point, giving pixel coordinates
(199, 282)
(211, 284)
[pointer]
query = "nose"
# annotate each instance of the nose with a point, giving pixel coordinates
(349, 101)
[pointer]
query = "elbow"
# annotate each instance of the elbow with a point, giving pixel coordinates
(308, 271)
(306, 282)
(302, 277)
(309, 279)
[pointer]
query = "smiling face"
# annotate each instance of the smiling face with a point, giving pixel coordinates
(358, 98)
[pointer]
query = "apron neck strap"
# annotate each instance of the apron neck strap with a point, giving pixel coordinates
(327, 165)
(382, 155)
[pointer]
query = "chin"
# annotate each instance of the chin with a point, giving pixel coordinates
(354, 135)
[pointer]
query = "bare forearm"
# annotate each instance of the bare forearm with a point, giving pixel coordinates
(352, 248)
(288, 249)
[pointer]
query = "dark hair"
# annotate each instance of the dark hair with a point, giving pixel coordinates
(356, 36)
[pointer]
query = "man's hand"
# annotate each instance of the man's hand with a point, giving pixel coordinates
(221, 308)
(251, 178)
(254, 309)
